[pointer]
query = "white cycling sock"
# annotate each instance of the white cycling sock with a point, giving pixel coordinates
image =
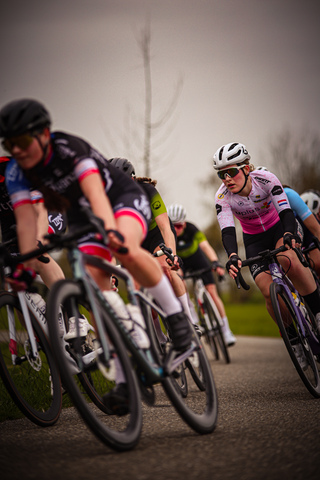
(185, 304)
(225, 323)
(164, 295)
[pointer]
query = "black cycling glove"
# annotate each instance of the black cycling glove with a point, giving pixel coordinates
(232, 261)
(288, 237)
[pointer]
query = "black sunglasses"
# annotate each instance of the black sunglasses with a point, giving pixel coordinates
(231, 172)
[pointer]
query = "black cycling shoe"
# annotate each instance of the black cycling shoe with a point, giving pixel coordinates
(117, 401)
(180, 330)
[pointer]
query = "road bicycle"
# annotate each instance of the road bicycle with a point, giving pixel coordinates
(191, 368)
(295, 320)
(115, 350)
(306, 250)
(208, 314)
(27, 365)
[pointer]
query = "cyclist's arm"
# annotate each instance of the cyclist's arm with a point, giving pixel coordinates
(210, 253)
(92, 187)
(26, 220)
(163, 223)
(313, 225)
(42, 220)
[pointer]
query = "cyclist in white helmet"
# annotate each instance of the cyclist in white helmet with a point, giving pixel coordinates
(312, 199)
(197, 253)
(258, 201)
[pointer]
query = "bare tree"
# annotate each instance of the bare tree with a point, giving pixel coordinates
(295, 158)
(150, 126)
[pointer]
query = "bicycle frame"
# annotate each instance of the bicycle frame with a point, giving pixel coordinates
(144, 358)
(26, 304)
(280, 278)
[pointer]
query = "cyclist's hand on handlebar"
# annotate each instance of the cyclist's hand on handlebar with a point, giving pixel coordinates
(233, 265)
(116, 241)
(176, 264)
(21, 278)
(291, 240)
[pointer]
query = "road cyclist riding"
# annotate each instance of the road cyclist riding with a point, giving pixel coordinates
(71, 175)
(25, 355)
(258, 201)
(196, 253)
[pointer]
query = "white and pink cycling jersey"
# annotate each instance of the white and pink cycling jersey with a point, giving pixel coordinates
(259, 211)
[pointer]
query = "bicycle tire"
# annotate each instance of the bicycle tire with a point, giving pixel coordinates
(199, 409)
(309, 376)
(216, 327)
(209, 336)
(118, 432)
(159, 349)
(42, 402)
(194, 367)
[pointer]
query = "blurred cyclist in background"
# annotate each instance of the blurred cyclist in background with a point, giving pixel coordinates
(197, 253)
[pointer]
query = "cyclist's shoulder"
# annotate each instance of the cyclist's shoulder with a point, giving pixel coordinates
(68, 146)
(264, 179)
(222, 194)
(296, 203)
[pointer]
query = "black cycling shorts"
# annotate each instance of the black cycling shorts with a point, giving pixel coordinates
(254, 244)
(154, 238)
(198, 261)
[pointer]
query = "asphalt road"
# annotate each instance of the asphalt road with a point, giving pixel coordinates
(268, 428)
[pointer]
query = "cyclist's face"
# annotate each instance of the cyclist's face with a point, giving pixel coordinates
(179, 228)
(29, 156)
(234, 184)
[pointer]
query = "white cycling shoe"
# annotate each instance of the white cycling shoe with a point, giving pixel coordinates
(84, 328)
(229, 338)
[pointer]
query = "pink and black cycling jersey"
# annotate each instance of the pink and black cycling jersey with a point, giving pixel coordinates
(257, 212)
(71, 161)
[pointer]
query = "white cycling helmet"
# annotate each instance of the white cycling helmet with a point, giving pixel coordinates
(312, 199)
(230, 154)
(177, 213)
(263, 169)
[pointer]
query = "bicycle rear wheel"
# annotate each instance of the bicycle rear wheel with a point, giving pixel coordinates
(216, 327)
(87, 385)
(33, 383)
(292, 337)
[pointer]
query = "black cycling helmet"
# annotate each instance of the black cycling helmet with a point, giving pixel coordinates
(124, 165)
(23, 116)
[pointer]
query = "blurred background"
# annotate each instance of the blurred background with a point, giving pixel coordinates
(166, 83)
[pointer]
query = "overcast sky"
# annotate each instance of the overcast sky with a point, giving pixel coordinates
(250, 68)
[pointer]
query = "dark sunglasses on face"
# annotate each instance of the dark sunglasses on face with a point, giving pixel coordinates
(231, 172)
(21, 141)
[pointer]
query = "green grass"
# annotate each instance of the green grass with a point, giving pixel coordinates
(251, 319)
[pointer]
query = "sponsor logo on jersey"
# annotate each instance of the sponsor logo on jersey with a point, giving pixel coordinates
(277, 190)
(262, 180)
(143, 206)
(156, 205)
(218, 208)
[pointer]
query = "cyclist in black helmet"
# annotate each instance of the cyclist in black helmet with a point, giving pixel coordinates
(70, 174)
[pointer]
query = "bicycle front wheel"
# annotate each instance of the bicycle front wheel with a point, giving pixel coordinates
(216, 327)
(32, 382)
(294, 339)
(199, 409)
(94, 376)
